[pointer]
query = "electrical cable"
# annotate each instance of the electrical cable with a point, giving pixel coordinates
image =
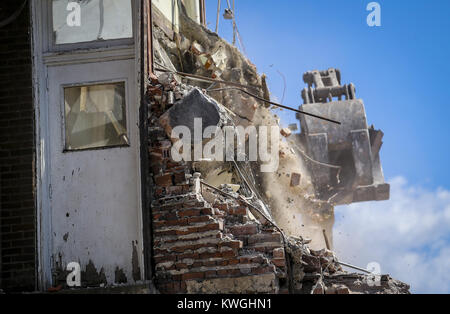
(275, 104)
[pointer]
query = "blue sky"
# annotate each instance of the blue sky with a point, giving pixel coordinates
(401, 72)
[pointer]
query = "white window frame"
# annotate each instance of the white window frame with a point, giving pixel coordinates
(53, 47)
(93, 83)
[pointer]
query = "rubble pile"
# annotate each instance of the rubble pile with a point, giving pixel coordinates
(319, 272)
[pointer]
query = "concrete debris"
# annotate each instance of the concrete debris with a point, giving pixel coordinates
(286, 132)
(195, 105)
(230, 187)
(197, 49)
(364, 284)
(295, 179)
(318, 288)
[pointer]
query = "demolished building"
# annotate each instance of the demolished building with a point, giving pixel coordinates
(106, 191)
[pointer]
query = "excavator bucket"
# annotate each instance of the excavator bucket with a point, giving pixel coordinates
(344, 159)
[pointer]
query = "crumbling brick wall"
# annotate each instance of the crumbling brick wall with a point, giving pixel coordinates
(213, 240)
(18, 232)
(201, 246)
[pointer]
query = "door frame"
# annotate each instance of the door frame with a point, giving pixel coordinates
(42, 59)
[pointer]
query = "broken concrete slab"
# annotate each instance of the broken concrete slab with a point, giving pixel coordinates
(286, 132)
(195, 105)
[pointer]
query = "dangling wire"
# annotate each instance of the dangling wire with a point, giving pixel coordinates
(234, 24)
(218, 17)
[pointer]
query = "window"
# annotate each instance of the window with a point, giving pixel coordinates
(95, 116)
(76, 21)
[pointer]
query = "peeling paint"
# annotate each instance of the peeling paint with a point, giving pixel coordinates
(135, 263)
(90, 277)
(120, 276)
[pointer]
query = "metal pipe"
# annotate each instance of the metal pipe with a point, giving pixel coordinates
(204, 78)
(354, 267)
(218, 17)
(326, 239)
(234, 25)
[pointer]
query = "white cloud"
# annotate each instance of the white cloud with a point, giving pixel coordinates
(409, 236)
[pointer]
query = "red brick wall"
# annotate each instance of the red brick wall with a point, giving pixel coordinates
(17, 206)
(198, 243)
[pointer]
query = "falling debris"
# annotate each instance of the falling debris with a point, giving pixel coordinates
(286, 132)
(293, 127)
(295, 179)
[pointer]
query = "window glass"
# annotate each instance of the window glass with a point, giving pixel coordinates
(76, 21)
(95, 116)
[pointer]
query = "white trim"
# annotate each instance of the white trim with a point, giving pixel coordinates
(51, 46)
(44, 243)
(138, 37)
(89, 56)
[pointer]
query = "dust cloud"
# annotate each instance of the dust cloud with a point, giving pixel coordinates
(294, 208)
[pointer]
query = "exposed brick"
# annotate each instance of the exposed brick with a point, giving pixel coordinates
(210, 274)
(164, 180)
(199, 219)
(17, 208)
(248, 229)
(233, 261)
(278, 253)
(189, 235)
(263, 270)
(295, 179)
(207, 211)
(264, 237)
(240, 210)
(179, 177)
(191, 276)
(209, 263)
(174, 190)
(279, 262)
(232, 244)
(189, 212)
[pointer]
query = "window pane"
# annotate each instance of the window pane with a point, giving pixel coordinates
(90, 20)
(95, 116)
